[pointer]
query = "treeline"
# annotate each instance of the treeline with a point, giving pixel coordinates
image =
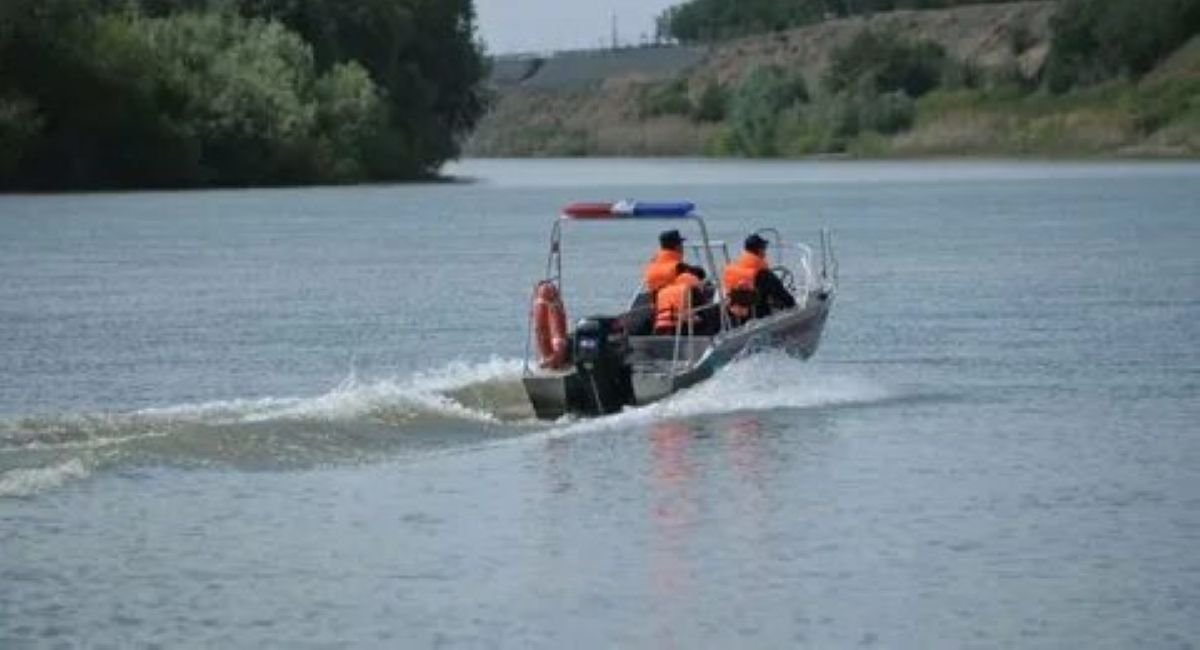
(178, 93)
(871, 86)
(875, 84)
(713, 20)
(1098, 40)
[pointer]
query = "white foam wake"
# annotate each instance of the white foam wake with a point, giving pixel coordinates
(426, 392)
(763, 382)
(458, 392)
(29, 481)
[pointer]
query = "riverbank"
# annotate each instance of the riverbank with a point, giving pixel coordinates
(656, 102)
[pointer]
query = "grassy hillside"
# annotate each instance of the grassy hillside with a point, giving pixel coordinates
(988, 98)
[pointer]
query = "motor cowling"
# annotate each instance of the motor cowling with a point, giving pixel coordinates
(601, 348)
(600, 340)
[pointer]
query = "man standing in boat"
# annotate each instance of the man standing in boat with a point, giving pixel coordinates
(753, 289)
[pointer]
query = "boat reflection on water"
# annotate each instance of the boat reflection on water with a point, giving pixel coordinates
(674, 508)
(698, 476)
(709, 517)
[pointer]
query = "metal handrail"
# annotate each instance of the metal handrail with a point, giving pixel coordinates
(554, 259)
(689, 315)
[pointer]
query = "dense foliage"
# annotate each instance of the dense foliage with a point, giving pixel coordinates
(870, 88)
(1095, 40)
(1121, 78)
(884, 62)
(105, 93)
(755, 109)
(710, 20)
(877, 84)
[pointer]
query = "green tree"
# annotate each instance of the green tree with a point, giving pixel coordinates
(93, 83)
(887, 62)
(424, 56)
(248, 86)
(350, 114)
(755, 108)
(183, 99)
(20, 125)
(1095, 40)
(670, 98)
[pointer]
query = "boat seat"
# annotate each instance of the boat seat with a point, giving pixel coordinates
(645, 350)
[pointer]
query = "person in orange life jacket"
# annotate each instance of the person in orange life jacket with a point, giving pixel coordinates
(662, 270)
(685, 295)
(752, 288)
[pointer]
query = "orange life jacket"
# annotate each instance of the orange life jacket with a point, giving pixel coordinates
(673, 300)
(661, 270)
(739, 276)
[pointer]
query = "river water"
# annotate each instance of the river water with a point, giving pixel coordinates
(292, 418)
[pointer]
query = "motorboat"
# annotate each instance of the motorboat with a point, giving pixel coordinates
(603, 364)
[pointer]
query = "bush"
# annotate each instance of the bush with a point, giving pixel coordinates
(350, 114)
(1096, 40)
(712, 104)
(765, 93)
(665, 99)
(887, 62)
(888, 113)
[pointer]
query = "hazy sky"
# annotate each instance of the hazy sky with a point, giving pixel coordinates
(534, 25)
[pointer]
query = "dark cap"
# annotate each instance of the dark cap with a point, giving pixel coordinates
(670, 239)
(755, 243)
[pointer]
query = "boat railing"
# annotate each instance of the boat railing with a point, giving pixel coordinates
(813, 271)
(829, 261)
(685, 333)
(716, 244)
(806, 276)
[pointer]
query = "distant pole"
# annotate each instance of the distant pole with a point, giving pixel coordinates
(615, 37)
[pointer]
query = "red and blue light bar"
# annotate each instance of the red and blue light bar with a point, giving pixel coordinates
(630, 209)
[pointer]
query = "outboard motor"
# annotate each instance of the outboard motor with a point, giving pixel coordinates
(601, 347)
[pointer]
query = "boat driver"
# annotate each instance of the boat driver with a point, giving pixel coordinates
(753, 289)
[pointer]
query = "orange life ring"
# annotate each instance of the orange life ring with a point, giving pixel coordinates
(550, 326)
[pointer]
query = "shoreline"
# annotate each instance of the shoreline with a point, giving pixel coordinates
(473, 178)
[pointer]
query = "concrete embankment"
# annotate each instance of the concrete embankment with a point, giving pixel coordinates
(584, 69)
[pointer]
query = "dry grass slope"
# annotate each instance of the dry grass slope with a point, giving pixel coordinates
(1158, 116)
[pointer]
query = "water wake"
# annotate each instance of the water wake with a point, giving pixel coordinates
(358, 421)
(27, 482)
(763, 382)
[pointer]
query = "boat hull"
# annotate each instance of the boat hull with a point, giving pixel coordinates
(659, 366)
